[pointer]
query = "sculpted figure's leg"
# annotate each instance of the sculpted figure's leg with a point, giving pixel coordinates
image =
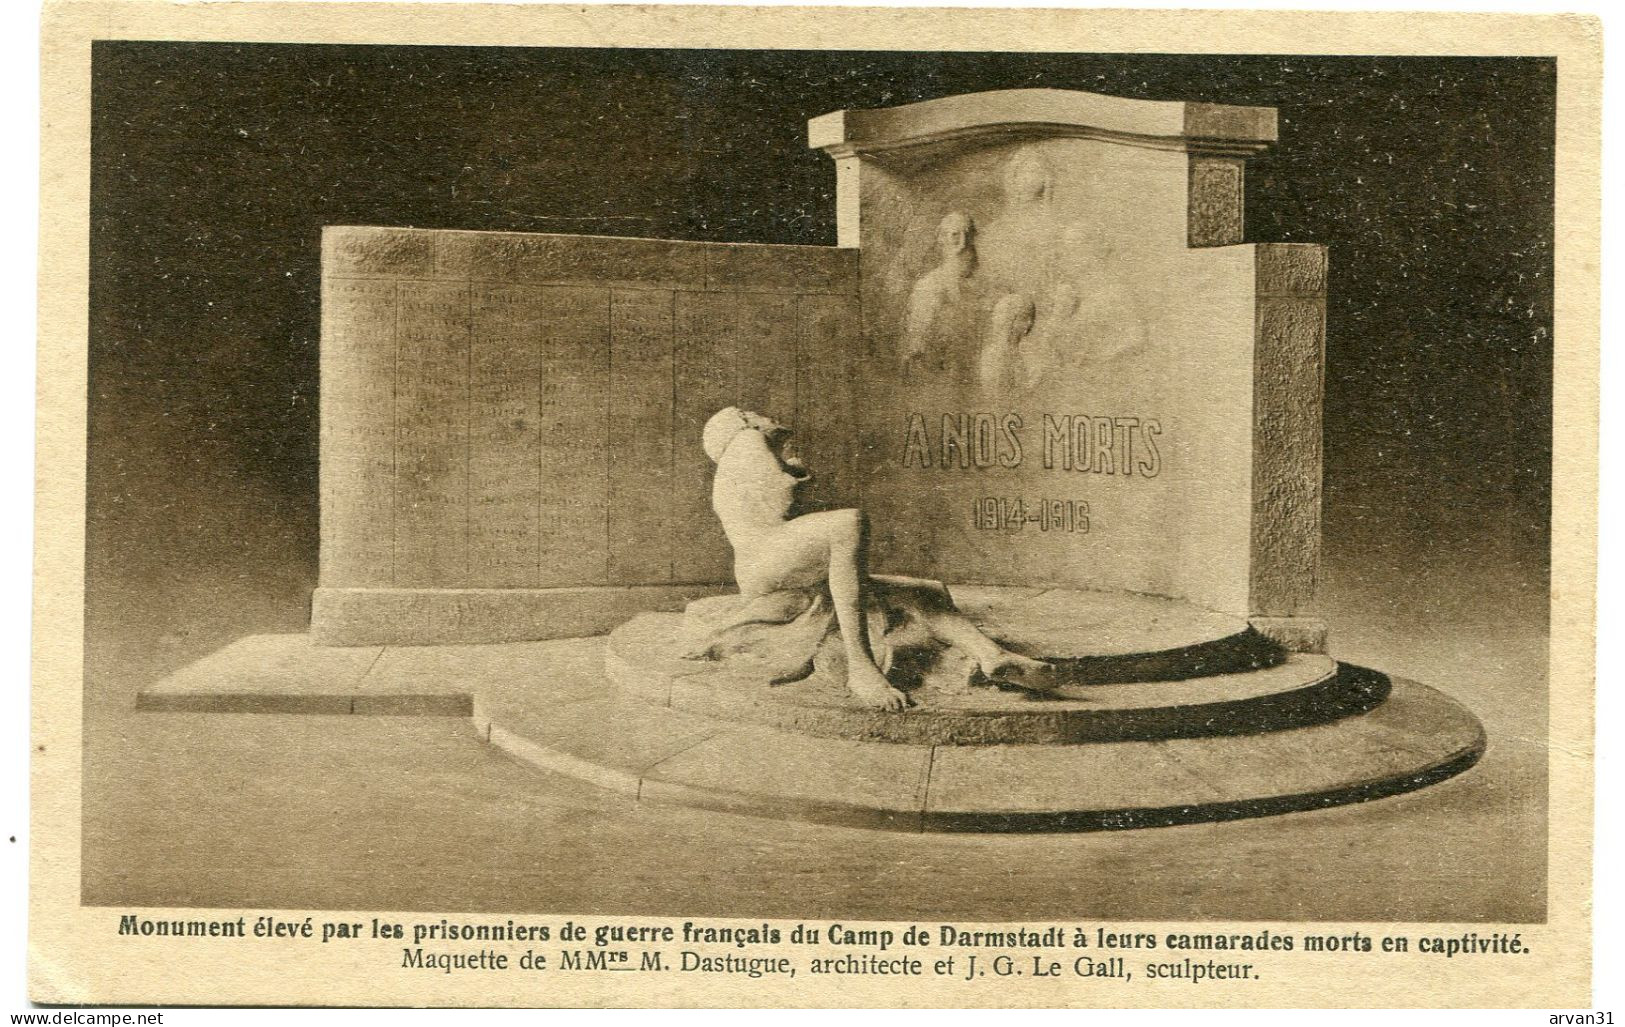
(831, 548)
(995, 662)
(848, 557)
(956, 630)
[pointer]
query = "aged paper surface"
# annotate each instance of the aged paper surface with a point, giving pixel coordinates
(432, 609)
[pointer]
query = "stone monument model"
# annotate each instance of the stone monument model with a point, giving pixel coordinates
(1052, 566)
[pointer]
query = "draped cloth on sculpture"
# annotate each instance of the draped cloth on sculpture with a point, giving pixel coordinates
(791, 633)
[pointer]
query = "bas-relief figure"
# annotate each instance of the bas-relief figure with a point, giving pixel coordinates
(1007, 363)
(1019, 241)
(806, 600)
(936, 304)
(965, 318)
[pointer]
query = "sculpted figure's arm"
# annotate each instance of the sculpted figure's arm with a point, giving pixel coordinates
(754, 489)
(939, 288)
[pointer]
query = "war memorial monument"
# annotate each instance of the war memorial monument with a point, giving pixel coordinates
(1003, 514)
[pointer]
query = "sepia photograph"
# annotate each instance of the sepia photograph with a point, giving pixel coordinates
(958, 486)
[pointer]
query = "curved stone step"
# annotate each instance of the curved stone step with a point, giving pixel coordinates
(1113, 637)
(1302, 689)
(1413, 738)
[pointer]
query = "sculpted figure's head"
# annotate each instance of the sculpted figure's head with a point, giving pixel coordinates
(720, 430)
(1026, 179)
(955, 234)
(728, 423)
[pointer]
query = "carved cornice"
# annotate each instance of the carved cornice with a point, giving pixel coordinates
(974, 119)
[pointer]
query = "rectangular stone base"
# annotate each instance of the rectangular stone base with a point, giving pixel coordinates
(1297, 634)
(440, 616)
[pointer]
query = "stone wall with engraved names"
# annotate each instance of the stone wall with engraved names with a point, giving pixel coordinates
(511, 422)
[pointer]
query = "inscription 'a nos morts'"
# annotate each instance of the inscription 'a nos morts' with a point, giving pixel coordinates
(1097, 444)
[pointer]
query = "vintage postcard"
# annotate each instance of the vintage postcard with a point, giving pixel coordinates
(628, 506)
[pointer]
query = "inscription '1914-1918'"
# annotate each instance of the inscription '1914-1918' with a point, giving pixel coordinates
(1000, 513)
(1116, 445)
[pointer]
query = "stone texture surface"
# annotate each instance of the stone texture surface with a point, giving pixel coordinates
(487, 669)
(1288, 393)
(1216, 125)
(754, 771)
(1295, 634)
(504, 436)
(1291, 269)
(800, 270)
(443, 616)
(357, 431)
(625, 739)
(573, 498)
(597, 261)
(828, 360)
(377, 253)
(639, 525)
(1381, 746)
(1142, 784)
(1217, 205)
(262, 673)
(431, 415)
(1121, 775)
(289, 674)
(543, 704)
(533, 258)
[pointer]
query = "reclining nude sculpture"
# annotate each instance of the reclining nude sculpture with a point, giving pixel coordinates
(803, 584)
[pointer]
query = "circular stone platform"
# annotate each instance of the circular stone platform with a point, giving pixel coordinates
(559, 716)
(641, 658)
(1107, 637)
(1187, 751)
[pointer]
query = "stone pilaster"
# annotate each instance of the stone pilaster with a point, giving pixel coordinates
(1288, 389)
(1217, 200)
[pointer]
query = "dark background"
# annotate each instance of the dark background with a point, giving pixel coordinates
(214, 167)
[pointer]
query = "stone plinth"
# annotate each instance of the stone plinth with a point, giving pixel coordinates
(1078, 374)
(643, 661)
(1132, 667)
